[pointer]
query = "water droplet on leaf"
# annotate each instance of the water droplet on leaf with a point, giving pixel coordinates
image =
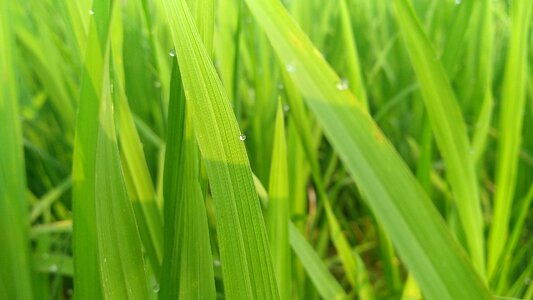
(172, 52)
(91, 12)
(290, 68)
(242, 137)
(342, 85)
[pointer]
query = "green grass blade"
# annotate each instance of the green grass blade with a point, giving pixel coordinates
(246, 261)
(15, 276)
(394, 195)
(279, 209)
(511, 119)
(87, 277)
(188, 267)
(325, 283)
(120, 258)
(449, 128)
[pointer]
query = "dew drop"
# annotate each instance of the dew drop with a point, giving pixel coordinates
(242, 137)
(457, 2)
(217, 263)
(286, 107)
(342, 85)
(156, 288)
(91, 12)
(290, 68)
(172, 52)
(53, 268)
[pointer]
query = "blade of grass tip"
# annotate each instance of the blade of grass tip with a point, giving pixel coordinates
(15, 276)
(393, 193)
(87, 277)
(449, 128)
(511, 119)
(188, 268)
(120, 257)
(278, 208)
(246, 262)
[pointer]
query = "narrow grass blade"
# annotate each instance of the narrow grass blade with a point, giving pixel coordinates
(15, 276)
(393, 193)
(449, 128)
(325, 283)
(511, 119)
(188, 268)
(279, 209)
(246, 261)
(87, 276)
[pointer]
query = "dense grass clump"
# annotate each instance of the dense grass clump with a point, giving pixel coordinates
(266, 149)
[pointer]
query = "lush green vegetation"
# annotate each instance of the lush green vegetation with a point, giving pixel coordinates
(258, 149)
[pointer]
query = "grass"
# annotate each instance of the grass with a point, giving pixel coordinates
(259, 149)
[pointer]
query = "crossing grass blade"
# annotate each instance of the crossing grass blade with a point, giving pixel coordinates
(246, 261)
(393, 194)
(449, 129)
(15, 276)
(511, 120)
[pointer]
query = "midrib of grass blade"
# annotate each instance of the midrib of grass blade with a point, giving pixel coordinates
(86, 264)
(449, 128)
(279, 209)
(188, 268)
(413, 224)
(15, 276)
(511, 119)
(246, 261)
(120, 257)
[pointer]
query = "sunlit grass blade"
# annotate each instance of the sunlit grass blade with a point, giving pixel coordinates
(279, 209)
(395, 197)
(188, 268)
(449, 129)
(15, 275)
(511, 119)
(245, 255)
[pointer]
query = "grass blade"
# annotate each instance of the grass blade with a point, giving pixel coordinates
(15, 278)
(279, 209)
